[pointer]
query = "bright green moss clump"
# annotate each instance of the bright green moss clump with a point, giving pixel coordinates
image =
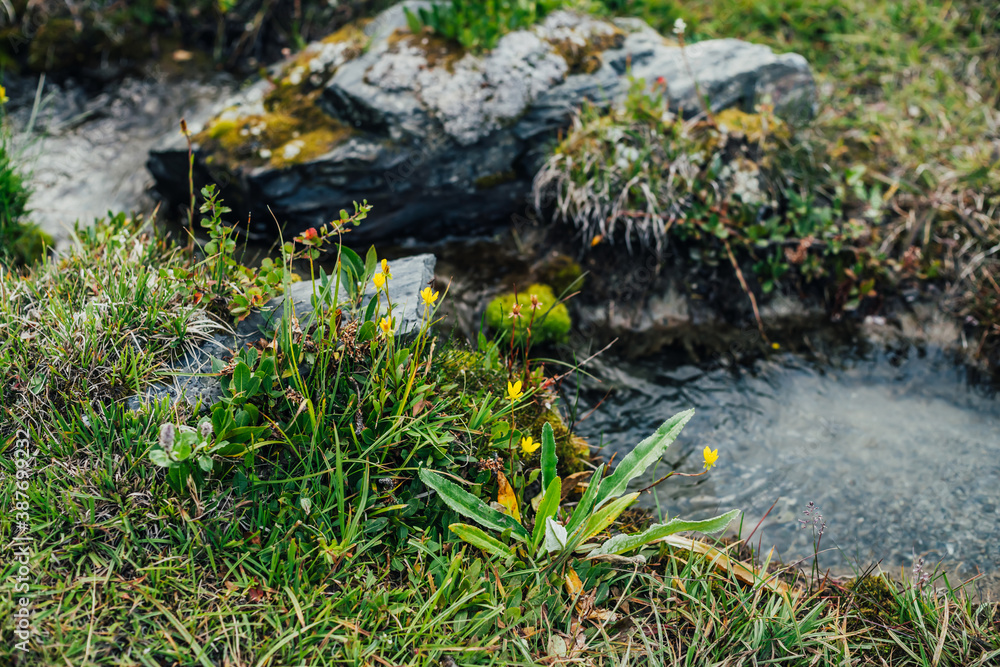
(549, 323)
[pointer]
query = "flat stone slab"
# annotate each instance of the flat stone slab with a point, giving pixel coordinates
(193, 381)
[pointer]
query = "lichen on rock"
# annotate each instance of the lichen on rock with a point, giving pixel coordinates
(277, 122)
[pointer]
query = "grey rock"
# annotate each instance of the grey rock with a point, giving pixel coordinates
(193, 382)
(449, 145)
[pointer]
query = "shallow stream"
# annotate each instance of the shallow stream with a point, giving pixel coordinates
(899, 450)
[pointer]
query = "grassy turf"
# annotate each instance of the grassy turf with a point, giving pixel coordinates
(313, 542)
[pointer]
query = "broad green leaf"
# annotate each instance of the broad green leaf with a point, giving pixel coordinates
(546, 509)
(605, 516)
(241, 377)
(469, 506)
(549, 458)
(586, 503)
(644, 455)
(477, 538)
(366, 332)
(159, 457)
(620, 544)
(555, 536)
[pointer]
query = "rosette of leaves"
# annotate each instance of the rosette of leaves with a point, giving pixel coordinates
(556, 533)
(186, 453)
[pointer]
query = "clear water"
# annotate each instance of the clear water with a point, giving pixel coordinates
(900, 452)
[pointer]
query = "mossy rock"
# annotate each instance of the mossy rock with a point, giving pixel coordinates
(562, 272)
(550, 323)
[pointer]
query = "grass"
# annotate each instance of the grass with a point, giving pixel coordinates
(311, 540)
(907, 132)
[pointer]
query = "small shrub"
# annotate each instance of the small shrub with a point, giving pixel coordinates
(549, 322)
(478, 26)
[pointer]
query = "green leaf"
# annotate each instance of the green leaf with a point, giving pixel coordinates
(182, 450)
(351, 261)
(605, 516)
(556, 537)
(620, 544)
(371, 261)
(205, 463)
(644, 455)
(159, 457)
(586, 503)
(549, 458)
(546, 509)
(373, 308)
(477, 538)
(412, 22)
(366, 332)
(469, 506)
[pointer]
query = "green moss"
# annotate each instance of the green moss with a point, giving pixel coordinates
(292, 129)
(550, 323)
(586, 58)
(493, 180)
(562, 272)
(277, 138)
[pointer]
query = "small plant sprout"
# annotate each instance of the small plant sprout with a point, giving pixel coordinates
(528, 445)
(711, 456)
(186, 453)
(601, 504)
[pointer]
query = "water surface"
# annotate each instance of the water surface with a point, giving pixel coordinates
(899, 450)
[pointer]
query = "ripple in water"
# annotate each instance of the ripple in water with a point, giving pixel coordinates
(900, 453)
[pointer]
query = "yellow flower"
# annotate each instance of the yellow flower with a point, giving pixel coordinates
(386, 326)
(514, 391)
(711, 456)
(379, 280)
(3, 95)
(528, 445)
(429, 296)
(385, 269)
(775, 346)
